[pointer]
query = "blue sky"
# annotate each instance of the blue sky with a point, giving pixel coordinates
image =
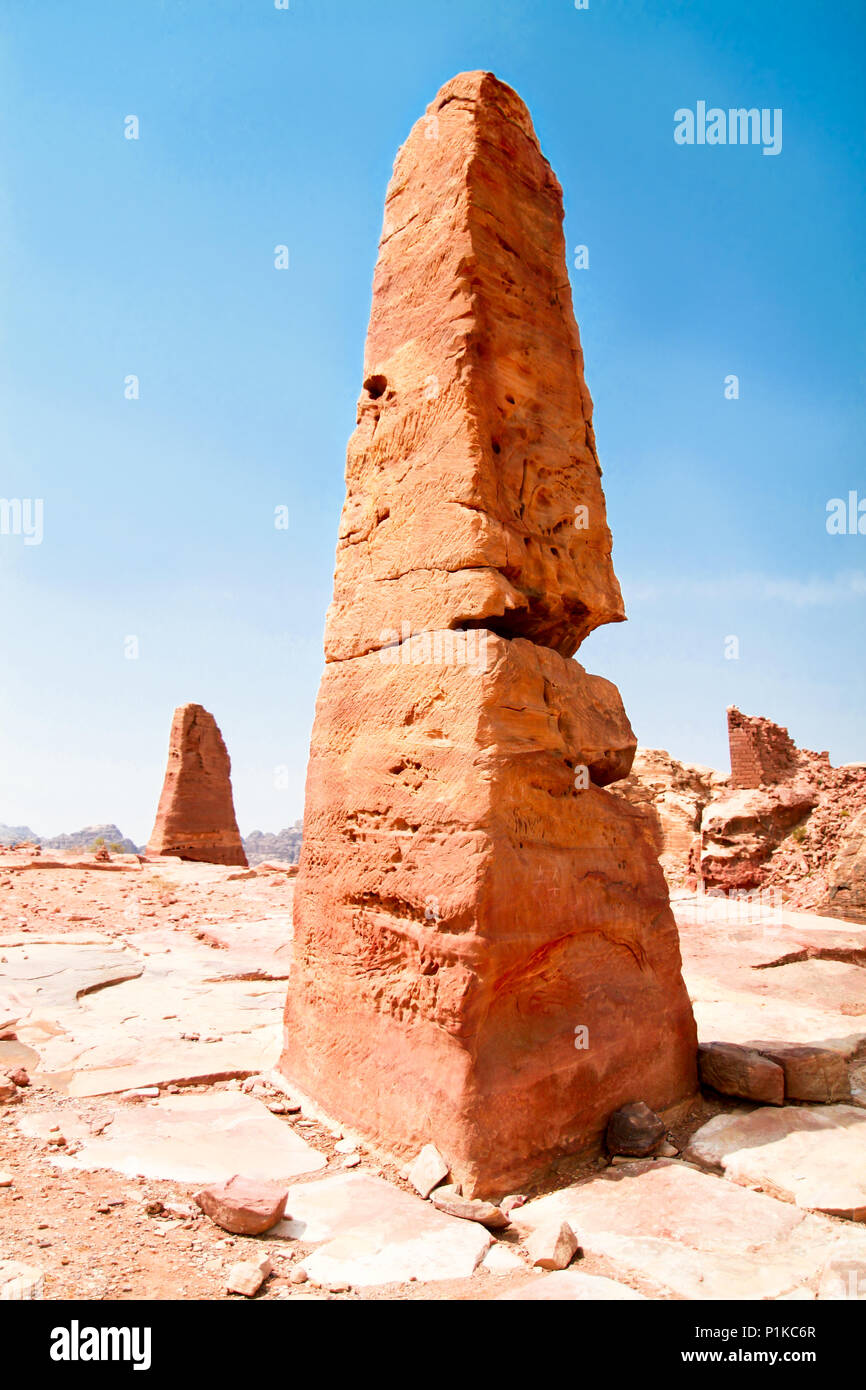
(154, 257)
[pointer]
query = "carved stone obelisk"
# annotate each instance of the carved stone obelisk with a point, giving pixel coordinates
(485, 955)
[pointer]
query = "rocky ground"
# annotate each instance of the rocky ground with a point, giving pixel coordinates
(801, 841)
(144, 1001)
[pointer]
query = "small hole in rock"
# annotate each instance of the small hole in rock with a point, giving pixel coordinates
(376, 386)
(497, 447)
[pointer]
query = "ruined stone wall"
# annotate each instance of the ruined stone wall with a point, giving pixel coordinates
(761, 751)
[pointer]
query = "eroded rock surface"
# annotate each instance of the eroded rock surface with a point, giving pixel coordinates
(790, 822)
(485, 958)
(189, 1138)
(846, 879)
(474, 449)
(671, 795)
(196, 815)
(740, 831)
(785, 822)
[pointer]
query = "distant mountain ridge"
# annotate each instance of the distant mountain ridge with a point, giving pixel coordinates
(259, 845)
(285, 844)
(108, 835)
(14, 834)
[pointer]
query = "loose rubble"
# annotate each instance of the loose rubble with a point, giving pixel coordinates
(76, 1162)
(247, 1276)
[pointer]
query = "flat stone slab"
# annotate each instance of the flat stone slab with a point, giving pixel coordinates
(159, 1065)
(813, 1158)
(765, 927)
(43, 977)
(569, 1284)
(762, 1015)
(179, 1015)
(259, 950)
(191, 1139)
(761, 974)
(693, 1234)
(374, 1233)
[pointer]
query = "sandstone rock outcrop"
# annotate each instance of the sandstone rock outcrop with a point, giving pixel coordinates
(846, 879)
(485, 957)
(92, 836)
(473, 490)
(789, 822)
(196, 814)
(785, 820)
(671, 797)
(740, 831)
(17, 835)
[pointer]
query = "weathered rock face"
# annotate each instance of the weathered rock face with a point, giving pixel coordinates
(462, 909)
(196, 815)
(785, 820)
(740, 831)
(790, 822)
(485, 957)
(847, 875)
(671, 797)
(473, 489)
